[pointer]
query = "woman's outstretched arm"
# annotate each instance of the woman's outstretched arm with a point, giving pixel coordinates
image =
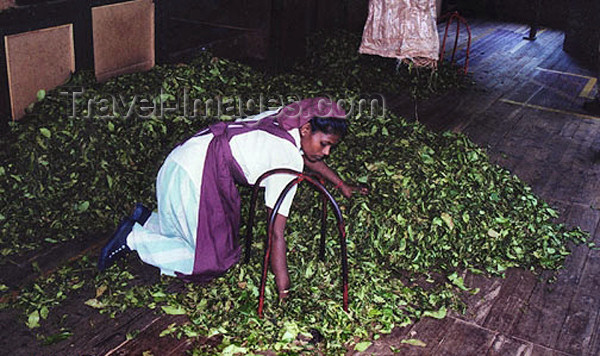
(321, 168)
(278, 255)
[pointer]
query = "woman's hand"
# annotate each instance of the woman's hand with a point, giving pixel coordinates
(347, 190)
(283, 295)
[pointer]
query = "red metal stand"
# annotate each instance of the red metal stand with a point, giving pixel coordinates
(326, 196)
(451, 17)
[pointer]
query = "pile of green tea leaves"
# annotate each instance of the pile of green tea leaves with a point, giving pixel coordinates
(334, 56)
(437, 207)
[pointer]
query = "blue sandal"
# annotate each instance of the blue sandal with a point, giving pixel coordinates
(117, 247)
(141, 213)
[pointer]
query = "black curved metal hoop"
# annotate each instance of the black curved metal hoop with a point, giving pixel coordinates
(326, 196)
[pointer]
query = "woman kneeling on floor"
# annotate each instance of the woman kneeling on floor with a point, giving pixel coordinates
(194, 233)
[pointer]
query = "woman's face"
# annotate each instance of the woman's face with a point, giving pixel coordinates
(316, 145)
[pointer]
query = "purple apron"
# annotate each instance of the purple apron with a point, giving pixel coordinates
(217, 247)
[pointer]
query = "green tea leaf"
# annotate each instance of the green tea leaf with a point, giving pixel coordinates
(493, 233)
(52, 339)
(83, 206)
(173, 310)
(362, 346)
(45, 132)
(440, 314)
(100, 290)
(414, 342)
(457, 281)
(169, 330)
(44, 312)
(234, 350)
(448, 220)
(94, 303)
(33, 320)
(41, 94)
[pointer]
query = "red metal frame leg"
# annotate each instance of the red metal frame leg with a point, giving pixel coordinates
(451, 17)
(340, 221)
(344, 254)
(323, 227)
(263, 281)
(455, 41)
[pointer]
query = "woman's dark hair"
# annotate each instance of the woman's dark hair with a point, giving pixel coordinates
(329, 125)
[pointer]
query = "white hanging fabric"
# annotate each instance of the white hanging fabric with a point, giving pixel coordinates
(403, 29)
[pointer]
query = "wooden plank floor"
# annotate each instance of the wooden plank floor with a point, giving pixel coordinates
(526, 109)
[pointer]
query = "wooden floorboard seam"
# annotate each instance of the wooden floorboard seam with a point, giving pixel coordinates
(554, 351)
(438, 345)
(125, 342)
(44, 274)
(572, 310)
(595, 341)
(595, 337)
(496, 334)
(561, 201)
(505, 135)
(594, 346)
(471, 118)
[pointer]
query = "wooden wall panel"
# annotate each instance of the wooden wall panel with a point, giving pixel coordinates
(41, 59)
(123, 36)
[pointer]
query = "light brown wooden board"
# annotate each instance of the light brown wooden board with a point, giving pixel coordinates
(123, 36)
(41, 59)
